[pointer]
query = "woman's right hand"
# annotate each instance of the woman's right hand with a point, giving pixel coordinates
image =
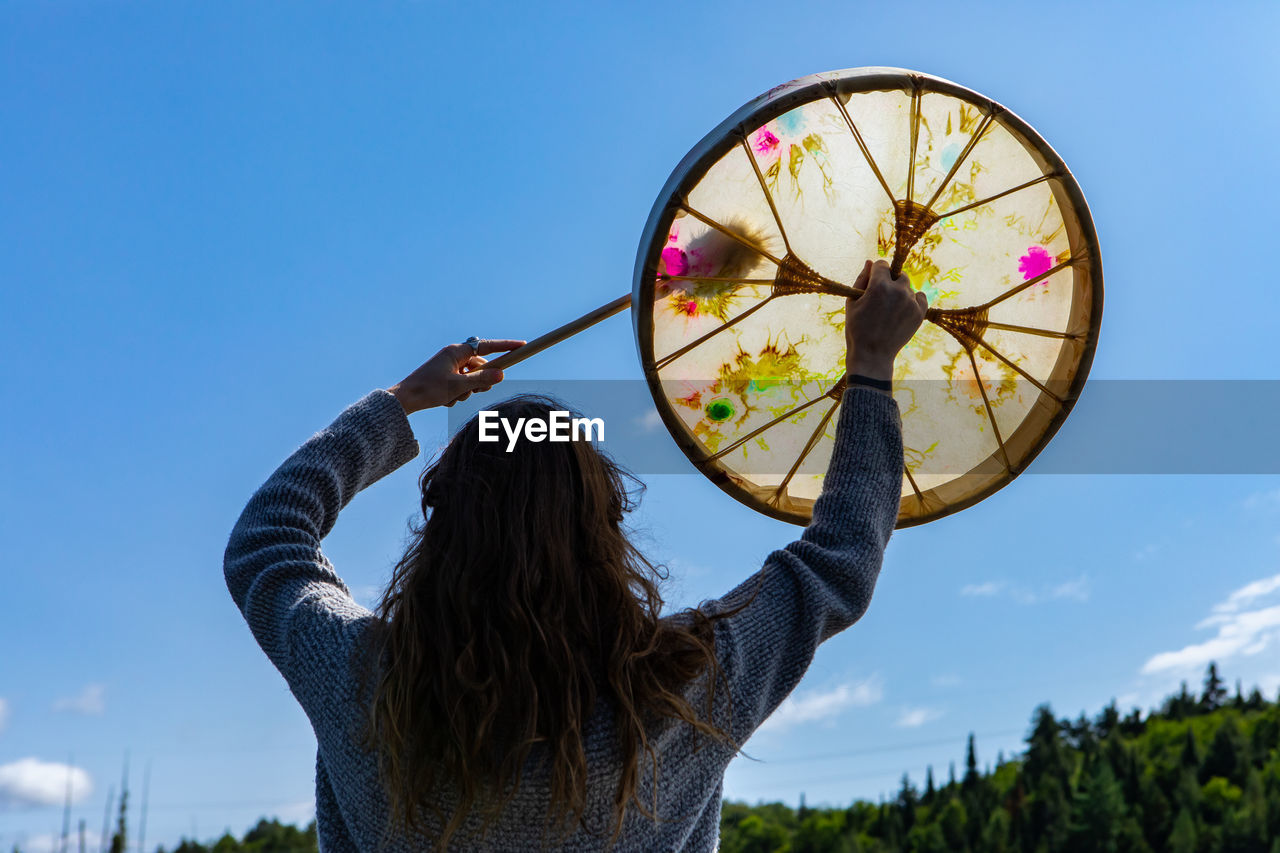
(879, 323)
(450, 376)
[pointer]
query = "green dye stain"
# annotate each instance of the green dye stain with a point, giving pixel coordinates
(719, 409)
(763, 383)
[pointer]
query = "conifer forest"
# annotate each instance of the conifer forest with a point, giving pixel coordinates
(1199, 774)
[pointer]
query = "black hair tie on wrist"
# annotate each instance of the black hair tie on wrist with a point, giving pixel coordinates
(881, 384)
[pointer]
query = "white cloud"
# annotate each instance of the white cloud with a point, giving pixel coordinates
(92, 700)
(1240, 631)
(32, 782)
(1146, 552)
(915, 717)
(649, 421)
(1247, 594)
(814, 705)
(1242, 634)
(1263, 500)
(4, 714)
(1076, 590)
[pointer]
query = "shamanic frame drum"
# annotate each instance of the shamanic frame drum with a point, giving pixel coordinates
(753, 246)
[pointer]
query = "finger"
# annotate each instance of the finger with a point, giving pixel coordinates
(922, 300)
(487, 347)
(880, 273)
(459, 353)
(860, 283)
(475, 362)
(482, 379)
(460, 398)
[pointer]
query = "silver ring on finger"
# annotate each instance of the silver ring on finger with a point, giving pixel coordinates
(474, 343)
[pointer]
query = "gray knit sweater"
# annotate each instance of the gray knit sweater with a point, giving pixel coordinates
(304, 618)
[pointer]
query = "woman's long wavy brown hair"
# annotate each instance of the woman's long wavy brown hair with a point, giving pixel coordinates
(519, 601)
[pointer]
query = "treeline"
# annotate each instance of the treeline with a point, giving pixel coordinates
(269, 836)
(1199, 775)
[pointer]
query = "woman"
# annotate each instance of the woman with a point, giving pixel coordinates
(518, 688)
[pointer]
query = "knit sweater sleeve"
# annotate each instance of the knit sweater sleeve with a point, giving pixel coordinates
(297, 607)
(822, 583)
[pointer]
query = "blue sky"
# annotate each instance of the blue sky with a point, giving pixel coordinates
(222, 223)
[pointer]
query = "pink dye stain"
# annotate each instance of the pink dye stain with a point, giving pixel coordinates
(675, 260)
(765, 142)
(1036, 261)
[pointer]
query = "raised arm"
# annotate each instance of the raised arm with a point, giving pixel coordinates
(274, 568)
(822, 583)
(285, 587)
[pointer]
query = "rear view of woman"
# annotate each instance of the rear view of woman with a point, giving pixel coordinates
(519, 687)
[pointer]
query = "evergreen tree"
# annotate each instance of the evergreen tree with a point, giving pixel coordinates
(1129, 837)
(1183, 838)
(1220, 798)
(1157, 813)
(1108, 720)
(1190, 750)
(929, 791)
(1266, 734)
(190, 846)
(970, 767)
(1048, 777)
(820, 832)
(1016, 805)
(907, 801)
(1045, 756)
(120, 838)
(1214, 693)
(1132, 725)
(954, 822)
(1245, 829)
(995, 835)
(927, 838)
(1050, 813)
(1228, 753)
(227, 844)
(891, 829)
(1079, 733)
(1097, 811)
(1123, 763)
(1273, 809)
(1181, 705)
(1186, 793)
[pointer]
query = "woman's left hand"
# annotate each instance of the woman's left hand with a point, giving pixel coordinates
(450, 376)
